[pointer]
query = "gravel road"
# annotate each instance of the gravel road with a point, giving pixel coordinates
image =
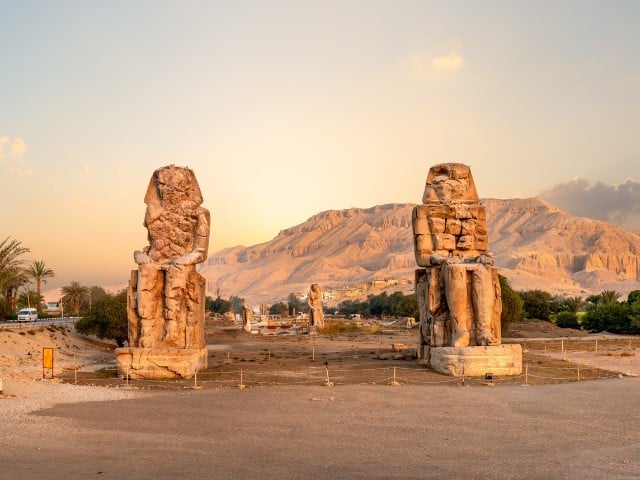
(586, 430)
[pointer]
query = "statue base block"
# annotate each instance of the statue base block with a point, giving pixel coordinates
(158, 363)
(474, 361)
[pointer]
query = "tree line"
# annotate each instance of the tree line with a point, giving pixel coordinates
(16, 273)
(105, 315)
(604, 311)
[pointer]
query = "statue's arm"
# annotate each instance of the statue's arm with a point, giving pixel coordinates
(141, 257)
(200, 243)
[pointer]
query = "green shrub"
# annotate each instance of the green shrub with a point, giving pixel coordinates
(613, 317)
(567, 320)
(337, 328)
(5, 310)
(511, 304)
(537, 304)
(106, 319)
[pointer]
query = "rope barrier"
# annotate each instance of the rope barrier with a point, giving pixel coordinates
(331, 372)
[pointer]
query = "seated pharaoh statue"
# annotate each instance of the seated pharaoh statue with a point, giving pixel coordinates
(166, 294)
(458, 291)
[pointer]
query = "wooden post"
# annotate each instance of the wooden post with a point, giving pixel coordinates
(394, 382)
(328, 382)
(526, 374)
(195, 381)
(596, 344)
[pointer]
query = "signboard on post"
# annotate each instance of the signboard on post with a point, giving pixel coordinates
(47, 360)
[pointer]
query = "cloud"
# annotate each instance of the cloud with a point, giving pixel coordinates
(447, 63)
(618, 204)
(17, 147)
(12, 148)
(425, 64)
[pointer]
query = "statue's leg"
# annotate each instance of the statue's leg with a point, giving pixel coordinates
(483, 301)
(437, 308)
(458, 302)
(174, 291)
(148, 277)
(319, 317)
(132, 309)
(194, 309)
(422, 298)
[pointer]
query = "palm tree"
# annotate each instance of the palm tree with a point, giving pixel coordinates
(40, 273)
(574, 304)
(75, 293)
(609, 296)
(29, 299)
(13, 282)
(12, 274)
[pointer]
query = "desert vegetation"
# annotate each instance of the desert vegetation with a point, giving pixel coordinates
(596, 313)
(16, 273)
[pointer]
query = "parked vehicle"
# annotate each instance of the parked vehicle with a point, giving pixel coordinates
(27, 315)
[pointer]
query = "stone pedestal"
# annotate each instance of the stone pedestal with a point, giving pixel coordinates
(159, 363)
(473, 361)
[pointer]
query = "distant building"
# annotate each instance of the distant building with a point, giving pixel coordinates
(378, 282)
(327, 295)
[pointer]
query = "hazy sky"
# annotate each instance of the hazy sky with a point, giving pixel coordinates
(284, 109)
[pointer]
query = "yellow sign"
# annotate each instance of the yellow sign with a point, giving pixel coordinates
(47, 358)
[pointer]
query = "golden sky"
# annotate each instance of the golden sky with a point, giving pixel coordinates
(284, 109)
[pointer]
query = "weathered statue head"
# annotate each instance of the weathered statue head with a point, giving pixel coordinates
(450, 222)
(176, 223)
(449, 182)
(171, 187)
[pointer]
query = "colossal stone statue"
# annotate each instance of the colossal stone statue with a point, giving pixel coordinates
(316, 318)
(458, 291)
(166, 295)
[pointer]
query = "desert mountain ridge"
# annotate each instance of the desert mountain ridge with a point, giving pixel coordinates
(357, 251)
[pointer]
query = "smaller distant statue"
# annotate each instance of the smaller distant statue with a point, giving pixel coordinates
(247, 318)
(316, 318)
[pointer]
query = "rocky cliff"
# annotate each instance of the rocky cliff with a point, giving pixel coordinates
(535, 245)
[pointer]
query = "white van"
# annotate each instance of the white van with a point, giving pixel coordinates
(28, 315)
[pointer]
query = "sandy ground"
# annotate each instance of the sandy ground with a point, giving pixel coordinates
(581, 430)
